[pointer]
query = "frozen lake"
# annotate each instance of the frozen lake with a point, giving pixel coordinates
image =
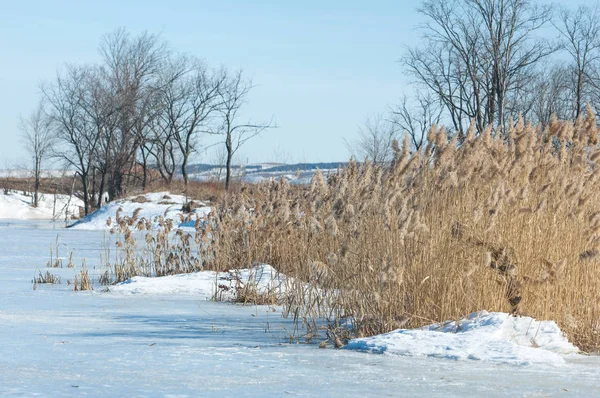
(56, 342)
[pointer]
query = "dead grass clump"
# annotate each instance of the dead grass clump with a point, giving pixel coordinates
(104, 278)
(233, 288)
(139, 199)
(55, 262)
(500, 221)
(46, 278)
(211, 191)
(82, 280)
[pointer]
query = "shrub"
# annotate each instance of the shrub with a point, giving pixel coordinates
(503, 222)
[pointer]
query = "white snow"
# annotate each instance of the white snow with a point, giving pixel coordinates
(489, 337)
(154, 205)
(17, 206)
(204, 284)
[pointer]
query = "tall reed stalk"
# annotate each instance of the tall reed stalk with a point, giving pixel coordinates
(503, 222)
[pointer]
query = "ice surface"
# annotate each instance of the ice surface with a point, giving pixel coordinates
(56, 342)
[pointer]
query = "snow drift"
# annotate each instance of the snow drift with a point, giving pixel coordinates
(490, 337)
(18, 206)
(152, 205)
(204, 284)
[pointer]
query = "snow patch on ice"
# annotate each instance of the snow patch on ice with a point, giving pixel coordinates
(152, 205)
(17, 206)
(490, 337)
(204, 283)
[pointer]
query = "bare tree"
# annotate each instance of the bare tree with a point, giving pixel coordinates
(416, 120)
(375, 140)
(162, 147)
(132, 65)
(100, 106)
(39, 140)
(142, 104)
(580, 30)
(232, 96)
(219, 158)
(189, 101)
(200, 104)
(474, 53)
(72, 126)
(547, 92)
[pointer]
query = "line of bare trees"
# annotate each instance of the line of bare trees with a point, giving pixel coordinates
(486, 61)
(138, 114)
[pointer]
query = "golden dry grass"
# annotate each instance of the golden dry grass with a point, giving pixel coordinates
(140, 250)
(211, 191)
(46, 277)
(82, 280)
(502, 222)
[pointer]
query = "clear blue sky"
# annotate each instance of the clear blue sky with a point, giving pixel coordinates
(320, 67)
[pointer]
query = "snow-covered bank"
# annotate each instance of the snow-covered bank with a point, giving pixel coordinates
(151, 205)
(18, 206)
(490, 337)
(204, 284)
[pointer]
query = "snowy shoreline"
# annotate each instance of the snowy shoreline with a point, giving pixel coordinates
(148, 206)
(491, 337)
(17, 206)
(482, 336)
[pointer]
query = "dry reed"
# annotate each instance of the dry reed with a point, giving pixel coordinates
(82, 280)
(500, 221)
(46, 277)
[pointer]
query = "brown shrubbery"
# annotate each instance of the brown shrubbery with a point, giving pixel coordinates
(163, 252)
(502, 222)
(211, 191)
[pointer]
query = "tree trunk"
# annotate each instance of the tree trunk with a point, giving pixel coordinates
(116, 186)
(578, 94)
(101, 189)
(184, 164)
(84, 184)
(93, 193)
(36, 184)
(144, 168)
(228, 163)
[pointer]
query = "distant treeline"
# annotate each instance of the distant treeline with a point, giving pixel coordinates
(201, 167)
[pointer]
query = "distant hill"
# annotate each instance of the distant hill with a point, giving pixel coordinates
(295, 173)
(308, 166)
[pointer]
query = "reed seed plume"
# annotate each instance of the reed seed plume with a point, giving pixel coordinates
(502, 221)
(497, 221)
